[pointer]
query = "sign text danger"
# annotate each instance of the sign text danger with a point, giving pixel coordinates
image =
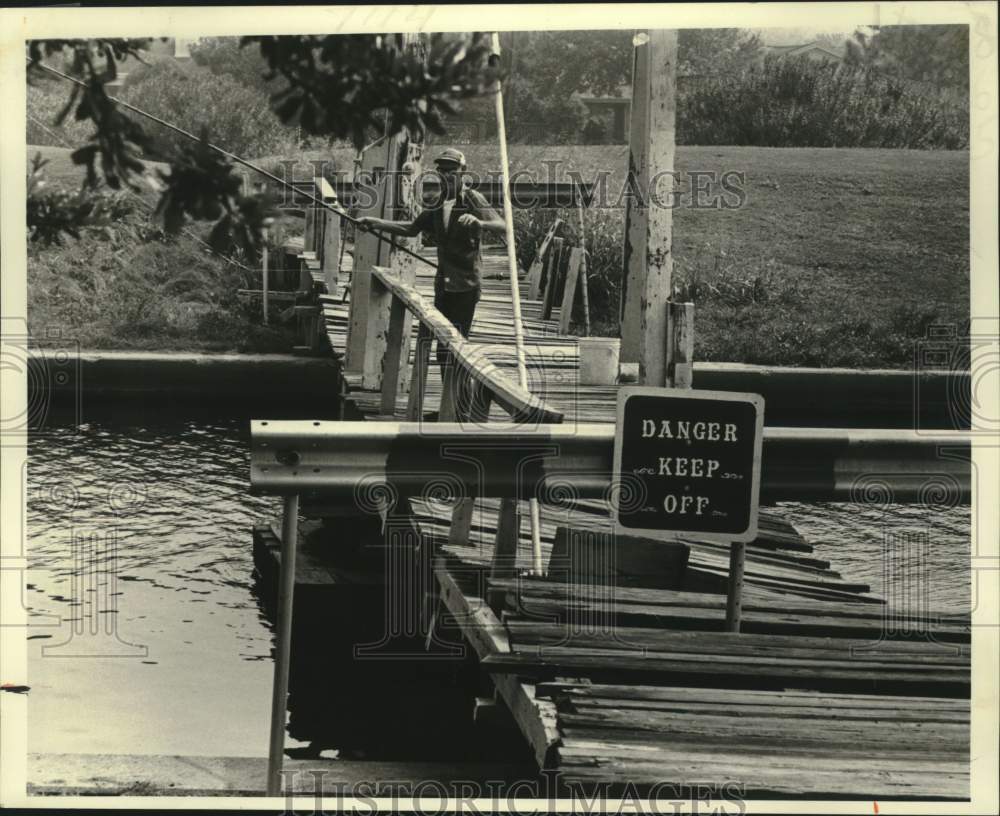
(688, 462)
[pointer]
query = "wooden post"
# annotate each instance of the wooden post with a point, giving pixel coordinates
(461, 522)
(418, 382)
(396, 199)
(309, 237)
(505, 548)
(569, 291)
(647, 259)
(734, 596)
(283, 648)
(552, 278)
(536, 274)
(330, 243)
(265, 282)
(583, 267)
(366, 255)
(377, 313)
(407, 205)
(479, 403)
(392, 360)
(447, 411)
(680, 345)
(380, 300)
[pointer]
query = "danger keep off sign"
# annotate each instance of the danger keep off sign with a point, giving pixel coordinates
(688, 461)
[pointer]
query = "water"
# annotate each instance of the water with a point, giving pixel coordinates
(915, 557)
(182, 665)
(146, 633)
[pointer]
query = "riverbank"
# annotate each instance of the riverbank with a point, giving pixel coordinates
(79, 384)
(836, 258)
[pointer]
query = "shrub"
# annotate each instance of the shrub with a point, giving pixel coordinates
(46, 99)
(604, 230)
(237, 118)
(223, 56)
(802, 103)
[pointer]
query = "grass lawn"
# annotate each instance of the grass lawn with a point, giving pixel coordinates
(857, 251)
(836, 256)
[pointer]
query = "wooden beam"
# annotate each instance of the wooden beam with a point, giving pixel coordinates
(834, 674)
(648, 256)
(489, 636)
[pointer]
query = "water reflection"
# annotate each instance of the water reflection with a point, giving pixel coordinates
(139, 557)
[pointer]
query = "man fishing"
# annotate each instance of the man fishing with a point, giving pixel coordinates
(456, 224)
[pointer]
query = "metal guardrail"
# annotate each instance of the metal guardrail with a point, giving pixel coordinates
(350, 461)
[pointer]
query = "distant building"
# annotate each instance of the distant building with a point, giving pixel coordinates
(813, 50)
(611, 113)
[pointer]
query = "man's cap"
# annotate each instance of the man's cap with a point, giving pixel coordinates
(451, 155)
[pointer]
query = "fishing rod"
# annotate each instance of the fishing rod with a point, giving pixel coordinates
(515, 292)
(337, 210)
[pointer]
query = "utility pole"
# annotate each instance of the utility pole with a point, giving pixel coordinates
(648, 251)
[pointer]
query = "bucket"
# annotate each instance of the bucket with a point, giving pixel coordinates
(599, 360)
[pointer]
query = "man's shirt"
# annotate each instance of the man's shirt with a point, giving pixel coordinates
(459, 255)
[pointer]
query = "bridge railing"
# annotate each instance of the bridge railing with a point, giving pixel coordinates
(484, 383)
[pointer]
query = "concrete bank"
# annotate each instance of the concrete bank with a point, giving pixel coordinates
(848, 398)
(147, 775)
(104, 384)
(288, 386)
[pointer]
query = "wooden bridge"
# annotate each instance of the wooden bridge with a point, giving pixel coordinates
(614, 662)
(667, 661)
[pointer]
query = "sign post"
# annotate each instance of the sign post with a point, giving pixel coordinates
(687, 463)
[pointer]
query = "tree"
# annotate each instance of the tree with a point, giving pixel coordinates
(713, 51)
(224, 56)
(549, 70)
(835, 42)
(934, 54)
(331, 86)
